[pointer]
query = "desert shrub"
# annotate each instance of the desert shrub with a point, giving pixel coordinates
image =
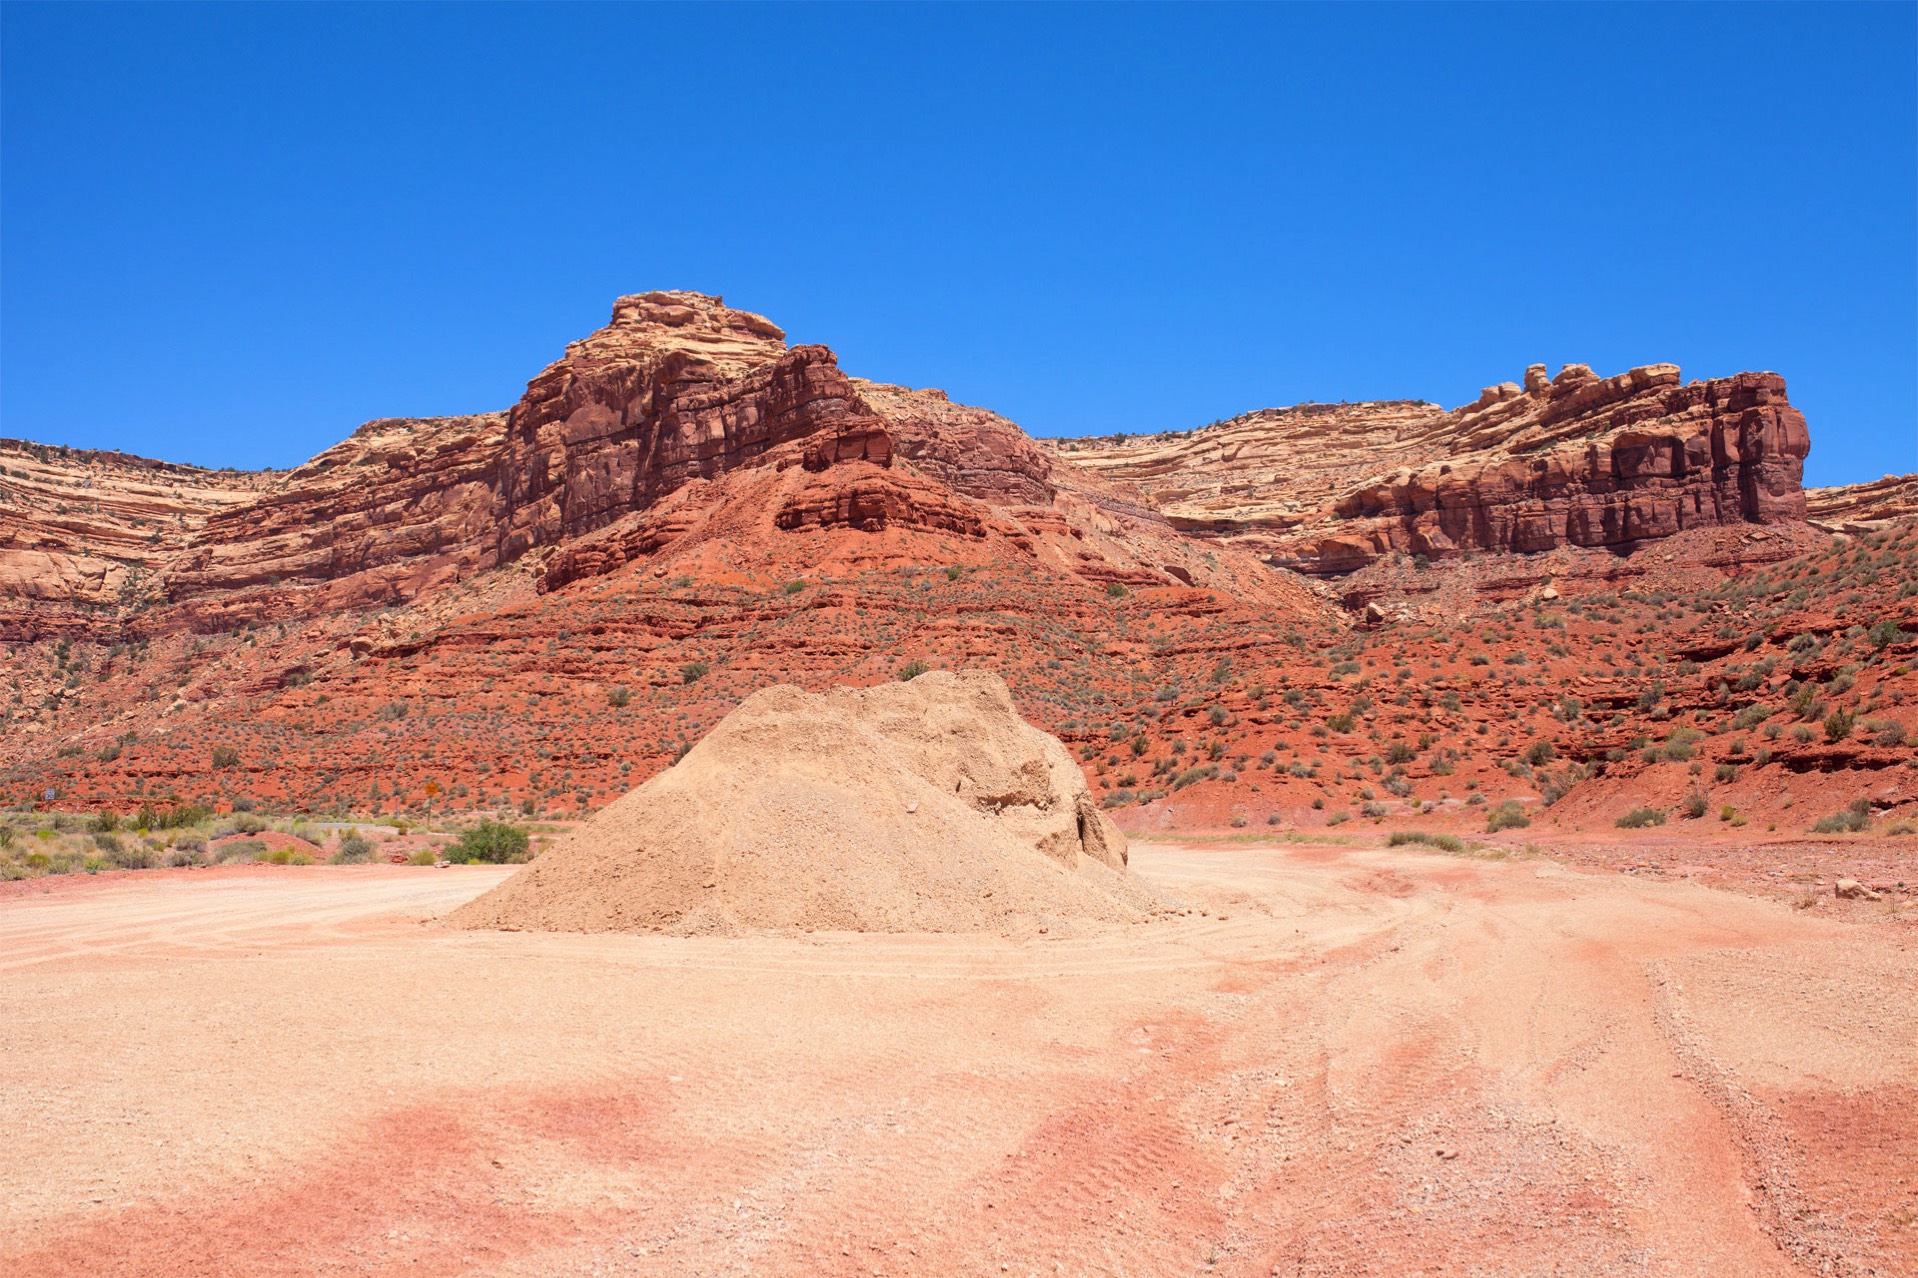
(619, 697)
(912, 670)
(1372, 810)
(1509, 815)
(422, 856)
(1681, 744)
(104, 822)
(127, 856)
(1693, 805)
(1117, 799)
(354, 848)
(794, 587)
(181, 857)
(491, 842)
(1640, 818)
(1114, 590)
(240, 850)
(225, 757)
(1449, 842)
(1338, 818)
(1751, 716)
(1725, 772)
(1885, 633)
(1854, 818)
(1885, 732)
(693, 671)
(1838, 725)
(242, 823)
(1540, 753)
(6, 837)
(178, 816)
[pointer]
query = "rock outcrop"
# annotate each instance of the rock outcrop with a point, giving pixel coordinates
(1575, 460)
(631, 440)
(1863, 508)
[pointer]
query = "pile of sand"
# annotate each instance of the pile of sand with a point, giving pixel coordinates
(927, 806)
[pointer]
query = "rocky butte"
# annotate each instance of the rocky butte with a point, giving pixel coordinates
(1293, 618)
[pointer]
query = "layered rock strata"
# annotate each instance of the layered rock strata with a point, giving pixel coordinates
(1572, 460)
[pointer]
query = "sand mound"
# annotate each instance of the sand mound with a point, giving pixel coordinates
(927, 806)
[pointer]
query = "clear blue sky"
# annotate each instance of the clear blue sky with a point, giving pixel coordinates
(228, 235)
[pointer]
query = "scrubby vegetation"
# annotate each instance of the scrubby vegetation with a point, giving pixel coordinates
(490, 842)
(1447, 842)
(183, 836)
(1508, 815)
(1854, 819)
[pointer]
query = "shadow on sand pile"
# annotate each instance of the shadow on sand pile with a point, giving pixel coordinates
(927, 806)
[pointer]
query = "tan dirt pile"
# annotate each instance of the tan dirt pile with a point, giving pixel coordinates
(925, 806)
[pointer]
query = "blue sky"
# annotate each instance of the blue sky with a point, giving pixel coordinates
(228, 235)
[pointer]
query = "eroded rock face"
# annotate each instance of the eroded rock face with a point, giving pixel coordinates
(624, 445)
(1863, 508)
(656, 427)
(1577, 460)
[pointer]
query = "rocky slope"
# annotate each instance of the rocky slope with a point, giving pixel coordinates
(1573, 460)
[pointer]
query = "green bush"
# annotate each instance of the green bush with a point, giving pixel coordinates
(354, 849)
(1694, 805)
(1838, 725)
(1449, 842)
(225, 757)
(1885, 633)
(491, 842)
(1855, 818)
(1509, 815)
(693, 671)
(1640, 818)
(619, 697)
(241, 850)
(1114, 590)
(912, 670)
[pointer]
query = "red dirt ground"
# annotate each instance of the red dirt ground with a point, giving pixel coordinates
(1341, 1060)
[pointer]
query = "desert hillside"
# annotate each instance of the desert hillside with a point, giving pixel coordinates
(1569, 600)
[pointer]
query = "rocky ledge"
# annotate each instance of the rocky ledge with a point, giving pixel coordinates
(1573, 460)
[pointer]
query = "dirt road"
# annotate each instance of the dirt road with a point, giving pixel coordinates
(1340, 1062)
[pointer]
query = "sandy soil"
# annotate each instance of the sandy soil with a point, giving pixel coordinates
(1340, 1062)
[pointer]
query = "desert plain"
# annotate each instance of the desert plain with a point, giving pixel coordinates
(1318, 1058)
